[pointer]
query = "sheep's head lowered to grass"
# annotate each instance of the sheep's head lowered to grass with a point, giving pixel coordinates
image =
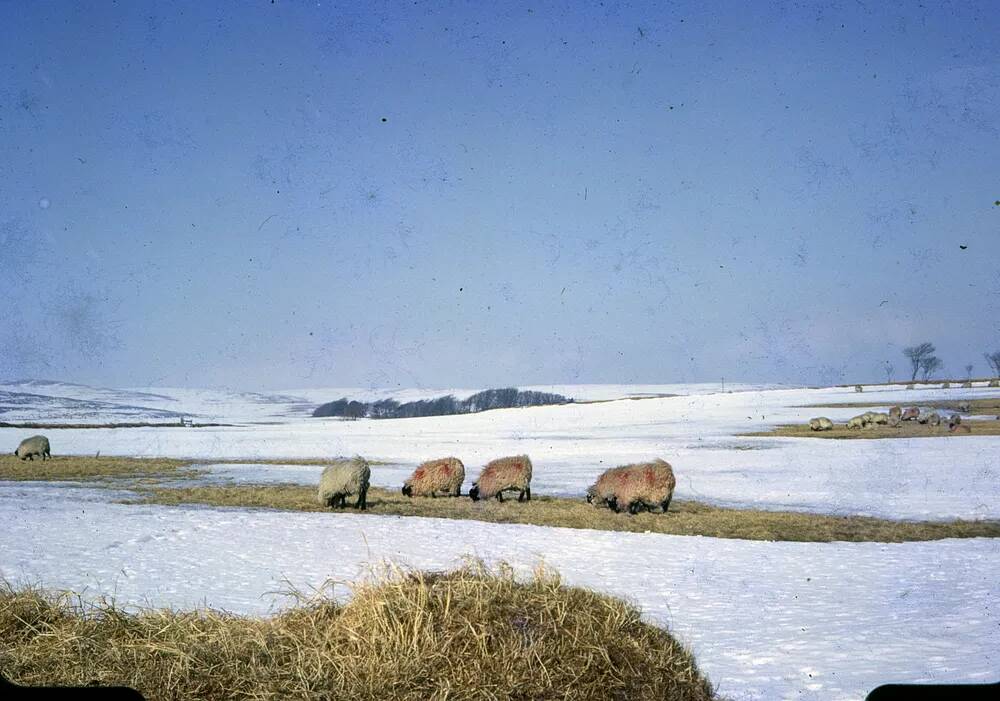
(635, 487)
(502, 475)
(441, 476)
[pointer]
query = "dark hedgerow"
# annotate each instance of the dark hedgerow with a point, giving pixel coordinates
(507, 398)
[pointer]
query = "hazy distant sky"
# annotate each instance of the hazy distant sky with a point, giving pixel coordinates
(275, 195)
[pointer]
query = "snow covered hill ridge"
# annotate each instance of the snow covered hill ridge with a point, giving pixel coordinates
(68, 402)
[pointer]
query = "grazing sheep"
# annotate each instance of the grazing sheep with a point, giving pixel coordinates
(879, 418)
(929, 417)
(603, 489)
(994, 383)
(945, 385)
(967, 385)
(444, 475)
(342, 479)
(30, 447)
(960, 428)
(820, 423)
(856, 422)
(954, 420)
(910, 414)
(501, 475)
(895, 416)
(641, 486)
(964, 407)
(871, 418)
(911, 386)
(859, 388)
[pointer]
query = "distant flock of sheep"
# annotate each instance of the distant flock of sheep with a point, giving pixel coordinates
(639, 487)
(895, 418)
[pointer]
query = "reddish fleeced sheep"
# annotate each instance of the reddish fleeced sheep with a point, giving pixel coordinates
(502, 475)
(444, 475)
(634, 487)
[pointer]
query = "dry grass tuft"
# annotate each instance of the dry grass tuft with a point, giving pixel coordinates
(73, 468)
(472, 633)
(684, 517)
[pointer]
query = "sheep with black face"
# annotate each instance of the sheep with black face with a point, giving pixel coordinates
(30, 447)
(504, 475)
(643, 486)
(441, 476)
(342, 479)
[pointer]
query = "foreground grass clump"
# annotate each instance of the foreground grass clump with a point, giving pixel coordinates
(468, 634)
(684, 517)
(908, 429)
(76, 467)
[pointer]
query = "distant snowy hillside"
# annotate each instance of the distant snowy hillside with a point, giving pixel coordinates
(52, 401)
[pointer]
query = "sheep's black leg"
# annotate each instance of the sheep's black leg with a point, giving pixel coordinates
(362, 500)
(666, 503)
(500, 497)
(527, 492)
(520, 496)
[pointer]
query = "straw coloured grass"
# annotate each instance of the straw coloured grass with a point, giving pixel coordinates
(684, 517)
(469, 634)
(70, 468)
(74, 468)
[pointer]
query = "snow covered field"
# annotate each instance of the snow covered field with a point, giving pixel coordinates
(766, 620)
(67, 402)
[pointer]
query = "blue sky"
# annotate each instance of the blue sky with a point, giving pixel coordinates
(265, 196)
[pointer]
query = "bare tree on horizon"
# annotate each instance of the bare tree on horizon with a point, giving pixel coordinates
(917, 355)
(994, 362)
(930, 364)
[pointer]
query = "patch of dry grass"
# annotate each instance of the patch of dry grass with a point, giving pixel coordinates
(75, 468)
(908, 429)
(136, 471)
(684, 517)
(469, 634)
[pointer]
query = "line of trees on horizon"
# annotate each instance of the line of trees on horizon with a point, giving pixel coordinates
(505, 398)
(923, 360)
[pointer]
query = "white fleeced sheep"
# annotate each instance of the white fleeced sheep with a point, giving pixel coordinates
(342, 479)
(30, 447)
